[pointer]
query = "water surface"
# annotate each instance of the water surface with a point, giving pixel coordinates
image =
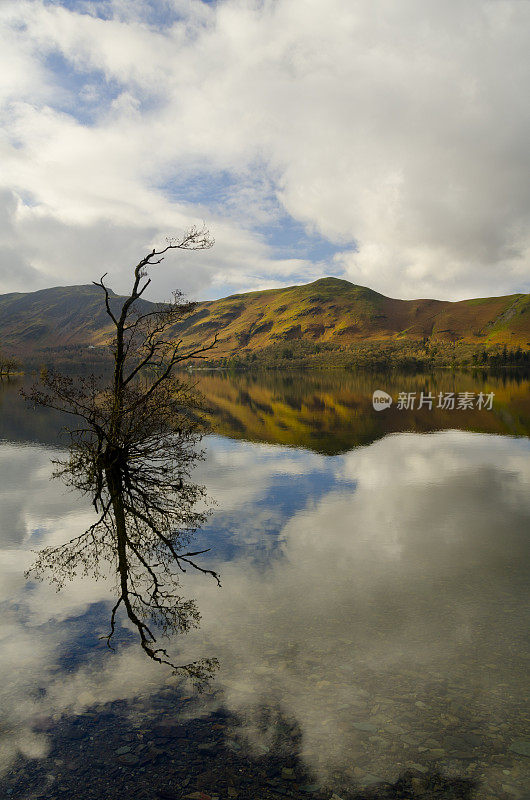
(370, 626)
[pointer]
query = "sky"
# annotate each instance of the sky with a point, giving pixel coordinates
(385, 143)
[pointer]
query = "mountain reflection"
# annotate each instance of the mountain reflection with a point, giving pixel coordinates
(331, 411)
(385, 622)
(327, 412)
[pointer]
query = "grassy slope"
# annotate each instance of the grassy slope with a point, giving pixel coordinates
(62, 316)
(329, 310)
(333, 310)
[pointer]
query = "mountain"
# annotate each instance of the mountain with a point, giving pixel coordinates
(337, 311)
(55, 318)
(329, 312)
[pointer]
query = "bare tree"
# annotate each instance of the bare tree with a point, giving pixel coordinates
(132, 454)
(8, 365)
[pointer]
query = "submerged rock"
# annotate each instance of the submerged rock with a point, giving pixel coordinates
(521, 747)
(288, 774)
(365, 727)
(129, 759)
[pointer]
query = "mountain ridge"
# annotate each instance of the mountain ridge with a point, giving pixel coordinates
(329, 312)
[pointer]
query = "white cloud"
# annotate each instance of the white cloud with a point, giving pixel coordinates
(400, 128)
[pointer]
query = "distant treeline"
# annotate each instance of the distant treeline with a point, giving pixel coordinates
(404, 355)
(504, 358)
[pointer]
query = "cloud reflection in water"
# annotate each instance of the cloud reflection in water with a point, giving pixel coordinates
(386, 622)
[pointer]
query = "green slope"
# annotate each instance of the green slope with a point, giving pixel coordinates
(57, 317)
(328, 311)
(335, 311)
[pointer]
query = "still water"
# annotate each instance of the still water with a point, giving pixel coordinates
(371, 624)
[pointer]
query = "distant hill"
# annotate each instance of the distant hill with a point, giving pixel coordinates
(335, 310)
(54, 318)
(329, 311)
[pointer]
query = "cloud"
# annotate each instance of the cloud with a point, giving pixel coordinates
(399, 133)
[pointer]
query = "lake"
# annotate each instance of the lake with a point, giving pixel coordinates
(371, 627)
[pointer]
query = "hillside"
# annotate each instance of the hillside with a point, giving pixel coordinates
(329, 313)
(334, 310)
(54, 318)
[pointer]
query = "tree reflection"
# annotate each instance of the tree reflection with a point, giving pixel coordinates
(132, 454)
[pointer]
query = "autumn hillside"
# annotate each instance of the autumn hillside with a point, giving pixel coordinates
(334, 310)
(328, 312)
